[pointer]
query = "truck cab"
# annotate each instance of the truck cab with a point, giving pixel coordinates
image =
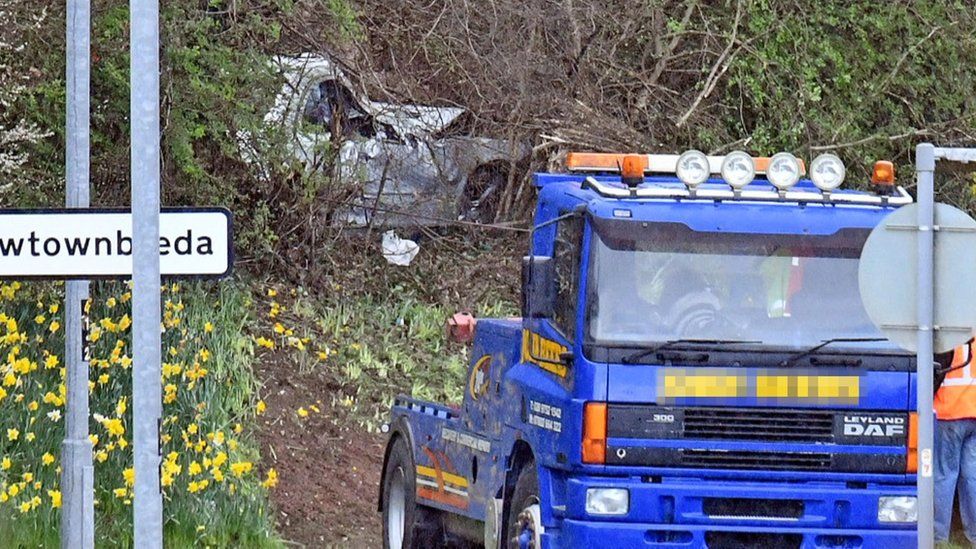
(693, 368)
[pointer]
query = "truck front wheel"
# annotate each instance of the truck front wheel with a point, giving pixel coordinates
(524, 515)
(406, 525)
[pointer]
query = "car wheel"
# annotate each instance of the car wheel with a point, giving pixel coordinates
(524, 514)
(406, 524)
(482, 194)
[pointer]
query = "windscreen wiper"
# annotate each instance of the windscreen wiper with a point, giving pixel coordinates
(632, 358)
(803, 354)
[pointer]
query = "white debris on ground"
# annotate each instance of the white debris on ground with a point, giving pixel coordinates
(398, 251)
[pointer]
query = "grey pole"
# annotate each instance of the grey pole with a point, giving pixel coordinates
(77, 476)
(925, 168)
(146, 391)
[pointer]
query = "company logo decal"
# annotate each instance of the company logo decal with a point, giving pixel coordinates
(874, 426)
(480, 378)
(544, 353)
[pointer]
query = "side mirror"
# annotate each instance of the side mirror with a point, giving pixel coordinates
(538, 287)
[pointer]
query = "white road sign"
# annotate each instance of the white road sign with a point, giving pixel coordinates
(93, 243)
(888, 277)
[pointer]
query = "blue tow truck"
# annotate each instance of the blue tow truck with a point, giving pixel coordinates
(693, 368)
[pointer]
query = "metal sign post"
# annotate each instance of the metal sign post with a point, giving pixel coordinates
(147, 406)
(925, 169)
(77, 472)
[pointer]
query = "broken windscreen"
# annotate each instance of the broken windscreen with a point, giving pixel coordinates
(655, 282)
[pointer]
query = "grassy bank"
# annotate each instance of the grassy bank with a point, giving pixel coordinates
(369, 347)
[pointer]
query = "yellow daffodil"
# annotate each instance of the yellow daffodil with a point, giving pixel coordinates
(114, 427)
(271, 480)
(241, 468)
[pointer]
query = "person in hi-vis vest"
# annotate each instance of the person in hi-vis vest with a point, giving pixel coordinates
(955, 443)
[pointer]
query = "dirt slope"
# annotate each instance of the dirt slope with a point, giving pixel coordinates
(329, 468)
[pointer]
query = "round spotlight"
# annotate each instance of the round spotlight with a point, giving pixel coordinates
(738, 169)
(693, 169)
(827, 172)
(783, 171)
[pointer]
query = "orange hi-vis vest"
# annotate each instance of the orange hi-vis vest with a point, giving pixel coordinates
(956, 398)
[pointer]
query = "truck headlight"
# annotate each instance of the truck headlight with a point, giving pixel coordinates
(607, 501)
(897, 509)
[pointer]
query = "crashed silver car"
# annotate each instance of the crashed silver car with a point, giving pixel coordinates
(401, 164)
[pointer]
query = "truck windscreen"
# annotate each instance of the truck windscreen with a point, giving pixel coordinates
(655, 282)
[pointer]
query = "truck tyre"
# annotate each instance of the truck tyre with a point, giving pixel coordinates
(406, 525)
(524, 515)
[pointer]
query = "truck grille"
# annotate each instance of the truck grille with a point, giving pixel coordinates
(759, 424)
(753, 509)
(767, 461)
(750, 540)
(769, 432)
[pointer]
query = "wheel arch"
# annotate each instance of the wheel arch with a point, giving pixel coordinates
(520, 455)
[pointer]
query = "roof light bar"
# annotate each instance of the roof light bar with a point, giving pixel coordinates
(899, 197)
(655, 163)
